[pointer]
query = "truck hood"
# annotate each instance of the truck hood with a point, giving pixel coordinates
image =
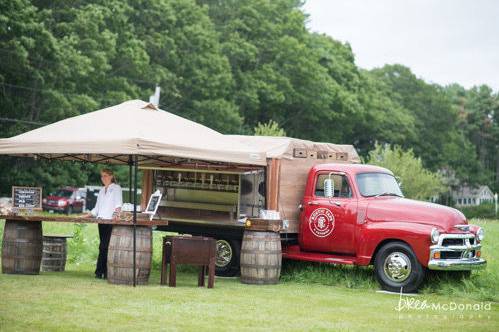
(56, 198)
(386, 209)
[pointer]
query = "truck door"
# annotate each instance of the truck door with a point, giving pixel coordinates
(328, 224)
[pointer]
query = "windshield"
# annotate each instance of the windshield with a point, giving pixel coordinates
(378, 184)
(63, 193)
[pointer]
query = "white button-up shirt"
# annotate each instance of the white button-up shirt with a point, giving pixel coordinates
(108, 201)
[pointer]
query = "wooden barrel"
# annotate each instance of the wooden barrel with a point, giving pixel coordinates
(22, 247)
(120, 255)
(54, 253)
(261, 257)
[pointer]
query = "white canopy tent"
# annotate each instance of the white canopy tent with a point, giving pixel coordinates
(131, 128)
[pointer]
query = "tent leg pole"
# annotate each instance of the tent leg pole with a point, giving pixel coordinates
(135, 221)
(130, 164)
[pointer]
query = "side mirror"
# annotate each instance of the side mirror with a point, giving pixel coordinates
(328, 188)
(399, 181)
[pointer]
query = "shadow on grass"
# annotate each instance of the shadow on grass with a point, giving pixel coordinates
(480, 285)
(328, 274)
(73, 274)
(477, 285)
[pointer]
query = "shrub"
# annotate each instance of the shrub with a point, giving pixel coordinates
(417, 182)
(485, 211)
(270, 128)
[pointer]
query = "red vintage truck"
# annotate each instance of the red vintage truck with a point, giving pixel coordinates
(356, 214)
(332, 210)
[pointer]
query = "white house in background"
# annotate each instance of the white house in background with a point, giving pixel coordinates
(468, 196)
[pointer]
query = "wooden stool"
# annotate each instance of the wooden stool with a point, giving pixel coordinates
(196, 250)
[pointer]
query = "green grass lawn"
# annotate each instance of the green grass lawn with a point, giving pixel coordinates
(309, 297)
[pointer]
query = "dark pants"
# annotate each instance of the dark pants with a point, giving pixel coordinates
(105, 236)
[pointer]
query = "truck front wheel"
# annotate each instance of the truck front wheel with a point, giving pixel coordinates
(227, 260)
(396, 266)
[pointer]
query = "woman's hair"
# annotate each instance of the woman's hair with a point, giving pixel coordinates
(110, 173)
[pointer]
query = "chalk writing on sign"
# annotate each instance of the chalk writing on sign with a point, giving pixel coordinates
(27, 197)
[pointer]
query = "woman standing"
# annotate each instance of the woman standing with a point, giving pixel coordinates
(108, 206)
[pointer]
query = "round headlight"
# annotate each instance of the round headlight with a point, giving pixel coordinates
(435, 234)
(480, 234)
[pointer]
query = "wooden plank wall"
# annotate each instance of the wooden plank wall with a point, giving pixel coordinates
(292, 187)
(146, 188)
(273, 175)
(292, 181)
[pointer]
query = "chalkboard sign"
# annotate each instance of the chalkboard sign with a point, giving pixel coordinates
(153, 204)
(27, 197)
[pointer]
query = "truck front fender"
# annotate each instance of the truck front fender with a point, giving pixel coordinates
(373, 235)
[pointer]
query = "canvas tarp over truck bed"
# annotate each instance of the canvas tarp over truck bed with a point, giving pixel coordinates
(288, 163)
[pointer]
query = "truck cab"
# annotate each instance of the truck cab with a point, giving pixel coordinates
(357, 214)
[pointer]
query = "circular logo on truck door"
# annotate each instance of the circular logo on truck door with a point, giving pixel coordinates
(321, 222)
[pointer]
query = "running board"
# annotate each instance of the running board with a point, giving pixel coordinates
(293, 252)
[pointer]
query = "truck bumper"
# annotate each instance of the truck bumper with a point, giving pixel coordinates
(54, 208)
(456, 252)
(457, 264)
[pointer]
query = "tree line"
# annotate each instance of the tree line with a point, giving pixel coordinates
(232, 65)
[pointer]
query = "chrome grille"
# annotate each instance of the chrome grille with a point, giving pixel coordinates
(451, 254)
(456, 246)
(452, 242)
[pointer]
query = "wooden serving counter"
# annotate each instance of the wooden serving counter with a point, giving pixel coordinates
(141, 220)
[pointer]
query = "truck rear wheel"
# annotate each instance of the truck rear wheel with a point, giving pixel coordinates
(227, 260)
(396, 266)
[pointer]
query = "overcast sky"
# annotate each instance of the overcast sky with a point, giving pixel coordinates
(442, 41)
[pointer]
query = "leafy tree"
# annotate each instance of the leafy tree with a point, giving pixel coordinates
(481, 110)
(384, 120)
(478, 120)
(270, 128)
(47, 174)
(276, 74)
(31, 68)
(417, 182)
(29, 64)
(438, 140)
